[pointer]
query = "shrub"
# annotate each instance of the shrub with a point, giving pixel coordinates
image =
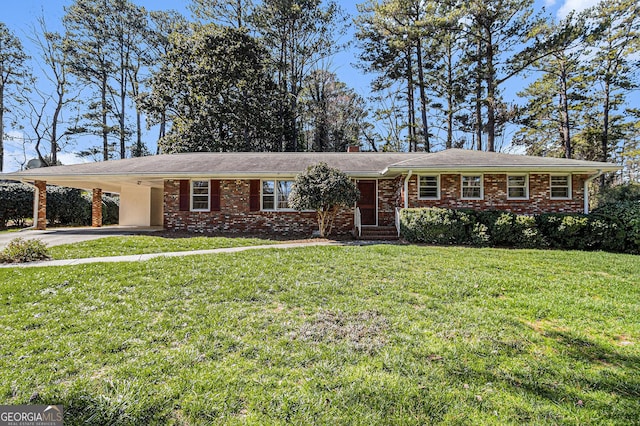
(619, 226)
(564, 230)
(16, 203)
(480, 236)
(612, 227)
(323, 189)
(614, 194)
(65, 206)
(514, 230)
(435, 225)
(20, 250)
(110, 210)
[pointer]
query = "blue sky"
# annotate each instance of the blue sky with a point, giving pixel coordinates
(20, 16)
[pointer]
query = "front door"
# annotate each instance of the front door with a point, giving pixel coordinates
(367, 202)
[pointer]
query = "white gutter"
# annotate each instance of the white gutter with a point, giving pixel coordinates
(406, 189)
(586, 190)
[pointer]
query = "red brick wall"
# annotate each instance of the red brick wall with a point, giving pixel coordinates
(234, 215)
(495, 195)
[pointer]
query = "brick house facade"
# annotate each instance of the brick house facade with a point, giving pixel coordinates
(246, 193)
(538, 199)
(233, 214)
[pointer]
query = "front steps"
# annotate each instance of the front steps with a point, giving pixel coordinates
(379, 233)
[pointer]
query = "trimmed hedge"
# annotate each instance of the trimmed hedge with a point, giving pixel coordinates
(613, 227)
(65, 206)
(621, 230)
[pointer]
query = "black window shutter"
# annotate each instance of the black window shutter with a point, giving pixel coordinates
(215, 195)
(254, 195)
(185, 193)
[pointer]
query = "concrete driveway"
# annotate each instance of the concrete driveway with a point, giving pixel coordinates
(58, 236)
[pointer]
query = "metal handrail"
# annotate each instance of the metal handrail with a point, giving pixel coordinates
(398, 220)
(357, 221)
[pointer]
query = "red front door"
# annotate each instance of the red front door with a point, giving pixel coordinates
(367, 202)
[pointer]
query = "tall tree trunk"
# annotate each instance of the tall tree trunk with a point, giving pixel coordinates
(479, 78)
(490, 78)
(124, 63)
(162, 131)
(423, 97)
(54, 129)
(1, 125)
(411, 108)
(449, 143)
(105, 131)
(564, 115)
(605, 127)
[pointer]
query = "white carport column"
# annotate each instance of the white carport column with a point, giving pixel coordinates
(96, 208)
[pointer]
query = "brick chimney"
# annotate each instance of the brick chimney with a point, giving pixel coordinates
(353, 148)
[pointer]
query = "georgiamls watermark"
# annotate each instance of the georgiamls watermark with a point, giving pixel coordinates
(31, 415)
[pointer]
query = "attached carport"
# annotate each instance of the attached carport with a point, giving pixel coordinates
(141, 200)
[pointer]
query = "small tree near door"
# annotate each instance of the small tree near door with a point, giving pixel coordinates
(323, 189)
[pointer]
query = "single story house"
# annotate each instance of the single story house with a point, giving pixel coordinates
(247, 192)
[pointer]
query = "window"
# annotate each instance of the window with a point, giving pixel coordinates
(518, 187)
(199, 195)
(284, 188)
(472, 187)
(275, 194)
(561, 187)
(429, 187)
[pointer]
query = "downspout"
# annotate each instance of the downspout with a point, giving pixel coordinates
(586, 190)
(406, 189)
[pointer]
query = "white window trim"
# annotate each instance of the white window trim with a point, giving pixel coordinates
(437, 197)
(275, 195)
(569, 185)
(526, 187)
(208, 195)
(462, 197)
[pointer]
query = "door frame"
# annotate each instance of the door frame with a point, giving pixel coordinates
(376, 195)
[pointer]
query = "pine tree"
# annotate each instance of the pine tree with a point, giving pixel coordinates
(216, 88)
(13, 74)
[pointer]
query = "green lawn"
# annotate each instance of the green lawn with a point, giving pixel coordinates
(8, 230)
(143, 244)
(329, 335)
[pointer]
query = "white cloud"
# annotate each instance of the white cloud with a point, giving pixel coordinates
(549, 3)
(17, 152)
(14, 150)
(575, 5)
(71, 158)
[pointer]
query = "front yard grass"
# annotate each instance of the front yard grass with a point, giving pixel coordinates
(378, 334)
(145, 244)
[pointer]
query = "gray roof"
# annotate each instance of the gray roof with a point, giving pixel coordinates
(458, 159)
(252, 163)
(152, 170)
(245, 163)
